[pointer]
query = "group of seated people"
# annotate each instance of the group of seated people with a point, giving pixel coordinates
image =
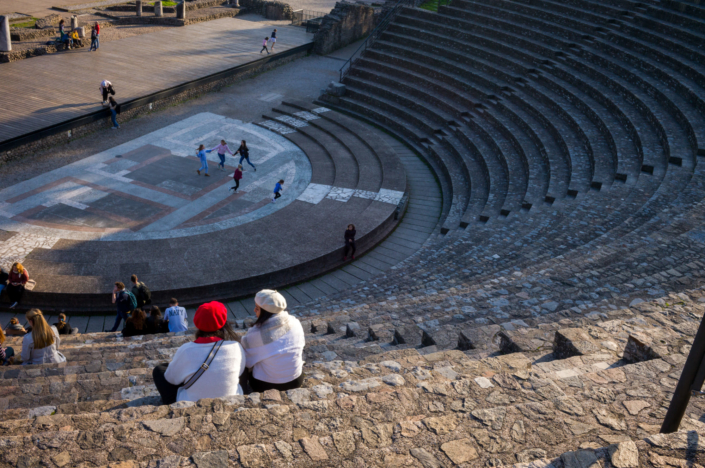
(218, 363)
(41, 341)
(148, 320)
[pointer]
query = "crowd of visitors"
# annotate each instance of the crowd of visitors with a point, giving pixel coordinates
(218, 363)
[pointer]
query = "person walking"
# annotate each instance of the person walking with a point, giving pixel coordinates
(264, 45)
(94, 40)
(237, 176)
(17, 278)
(125, 302)
(113, 113)
(274, 39)
(349, 242)
(41, 345)
(106, 87)
(176, 317)
(97, 35)
(141, 292)
(277, 190)
(201, 153)
(208, 367)
(221, 149)
(244, 154)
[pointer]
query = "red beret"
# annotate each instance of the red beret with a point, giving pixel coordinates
(210, 317)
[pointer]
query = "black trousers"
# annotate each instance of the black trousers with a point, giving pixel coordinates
(261, 386)
(167, 390)
(237, 185)
(15, 293)
(350, 249)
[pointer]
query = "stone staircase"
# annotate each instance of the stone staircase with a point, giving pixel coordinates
(558, 391)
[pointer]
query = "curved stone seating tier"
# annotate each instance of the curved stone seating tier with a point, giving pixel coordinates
(601, 384)
(567, 28)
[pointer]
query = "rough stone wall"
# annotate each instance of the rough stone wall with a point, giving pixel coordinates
(345, 24)
(273, 10)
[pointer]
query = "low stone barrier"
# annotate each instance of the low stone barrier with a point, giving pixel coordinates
(273, 10)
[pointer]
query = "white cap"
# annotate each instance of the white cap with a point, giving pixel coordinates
(271, 301)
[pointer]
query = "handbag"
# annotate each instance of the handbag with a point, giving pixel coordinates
(204, 367)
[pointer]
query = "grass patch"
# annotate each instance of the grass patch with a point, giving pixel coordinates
(432, 5)
(25, 24)
(166, 3)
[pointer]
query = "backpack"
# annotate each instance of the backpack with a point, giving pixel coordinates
(145, 295)
(133, 300)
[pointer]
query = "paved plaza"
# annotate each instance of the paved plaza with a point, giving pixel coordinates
(137, 66)
(149, 188)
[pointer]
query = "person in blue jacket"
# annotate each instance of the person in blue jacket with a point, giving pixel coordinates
(277, 190)
(201, 153)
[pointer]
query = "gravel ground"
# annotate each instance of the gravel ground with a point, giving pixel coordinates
(301, 79)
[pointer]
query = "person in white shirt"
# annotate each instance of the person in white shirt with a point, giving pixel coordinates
(274, 345)
(41, 345)
(105, 88)
(221, 377)
(176, 317)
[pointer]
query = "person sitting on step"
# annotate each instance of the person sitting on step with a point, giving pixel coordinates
(63, 327)
(274, 345)
(41, 345)
(208, 367)
(7, 354)
(155, 322)
(136, 324)
(15, 328)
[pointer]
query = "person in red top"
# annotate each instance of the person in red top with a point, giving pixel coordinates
(237, 176)
(97, 35)
(17, 280)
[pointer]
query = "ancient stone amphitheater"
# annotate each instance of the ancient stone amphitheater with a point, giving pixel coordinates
(544, 323)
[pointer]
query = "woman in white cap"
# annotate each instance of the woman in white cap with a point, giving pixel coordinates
(274, 345)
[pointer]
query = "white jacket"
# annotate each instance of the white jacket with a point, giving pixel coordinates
(274, 350)
(45, 355)
(221, 379)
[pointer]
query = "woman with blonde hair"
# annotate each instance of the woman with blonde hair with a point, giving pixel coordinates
(17, 280)
(41, 345)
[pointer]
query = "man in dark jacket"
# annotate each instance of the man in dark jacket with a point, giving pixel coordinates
(125, 303)
(141, 292)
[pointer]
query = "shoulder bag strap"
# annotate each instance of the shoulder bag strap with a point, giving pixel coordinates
(204, 366)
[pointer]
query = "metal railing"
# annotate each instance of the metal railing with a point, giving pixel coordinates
(300, 17)
(374, 35)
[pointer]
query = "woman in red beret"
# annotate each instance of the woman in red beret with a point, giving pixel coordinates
(208, 367)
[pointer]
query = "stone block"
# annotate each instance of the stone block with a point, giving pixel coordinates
(336, 89)
(5, 41)
(158, 9)
(513, 342)
(570, 342)
(74, 22)
(181, 10)
(138, 8)
(639, 349)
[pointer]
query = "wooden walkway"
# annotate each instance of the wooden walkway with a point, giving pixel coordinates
(44, 91)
